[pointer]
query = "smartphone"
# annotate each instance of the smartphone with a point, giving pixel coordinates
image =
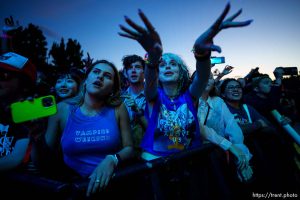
(38, 108)
(217, 60)
(290, 71)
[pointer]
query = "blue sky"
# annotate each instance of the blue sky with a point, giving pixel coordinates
(272, 39)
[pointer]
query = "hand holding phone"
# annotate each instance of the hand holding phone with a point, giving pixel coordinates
(37, 108)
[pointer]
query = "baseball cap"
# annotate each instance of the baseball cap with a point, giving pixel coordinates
(16, 63)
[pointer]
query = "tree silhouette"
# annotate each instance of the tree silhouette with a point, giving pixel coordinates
(66, 56)
(74, 53)
(31, 43)
(58, 54)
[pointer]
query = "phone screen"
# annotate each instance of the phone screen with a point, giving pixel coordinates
(217, 60)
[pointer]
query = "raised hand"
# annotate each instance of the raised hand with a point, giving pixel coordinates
(204, 43)
(147, 37)
(227, 70)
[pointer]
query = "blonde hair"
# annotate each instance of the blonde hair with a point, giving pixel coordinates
(184, 76)
(112, 100)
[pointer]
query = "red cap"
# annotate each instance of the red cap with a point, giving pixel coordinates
(14, 62)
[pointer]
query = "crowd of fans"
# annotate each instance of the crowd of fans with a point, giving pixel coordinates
(155, 110)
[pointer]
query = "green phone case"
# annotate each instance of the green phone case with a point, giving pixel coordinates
(29, 110)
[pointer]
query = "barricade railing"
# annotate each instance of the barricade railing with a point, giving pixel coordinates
(69, 188)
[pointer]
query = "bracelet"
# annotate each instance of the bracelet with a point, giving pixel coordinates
(115, 159)
(151, 65)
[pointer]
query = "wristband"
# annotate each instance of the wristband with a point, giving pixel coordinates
(115, 159)
(151, 65)
(201, 57)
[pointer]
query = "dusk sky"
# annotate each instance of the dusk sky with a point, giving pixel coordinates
(273, 39)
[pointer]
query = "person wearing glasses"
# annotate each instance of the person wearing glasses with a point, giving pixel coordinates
(249, 119)
(219, 127)
(272, 160)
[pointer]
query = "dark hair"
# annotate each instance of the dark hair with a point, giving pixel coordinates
(129, 59)
(256, 80)
(74, 74)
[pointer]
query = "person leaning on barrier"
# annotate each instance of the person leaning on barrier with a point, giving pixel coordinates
(248, 118)
(272, 161)
(171, 99)
(173, 124)
(219, 127)
(92, 129)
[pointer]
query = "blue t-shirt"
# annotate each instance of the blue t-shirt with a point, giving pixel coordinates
(87, 140)
(173, 125)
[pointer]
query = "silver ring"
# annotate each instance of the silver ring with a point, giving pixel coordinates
(97, 181)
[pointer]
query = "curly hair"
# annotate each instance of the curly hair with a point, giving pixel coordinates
(225, 83)
(128, 60)
(184, 76)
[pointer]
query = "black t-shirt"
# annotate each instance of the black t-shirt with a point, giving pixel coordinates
(10, 133)
(264, 105)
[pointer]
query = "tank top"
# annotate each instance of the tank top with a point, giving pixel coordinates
(87, 140)
(173, 125)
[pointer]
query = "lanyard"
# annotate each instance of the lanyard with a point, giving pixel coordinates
(206, 115)
(248, 114)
